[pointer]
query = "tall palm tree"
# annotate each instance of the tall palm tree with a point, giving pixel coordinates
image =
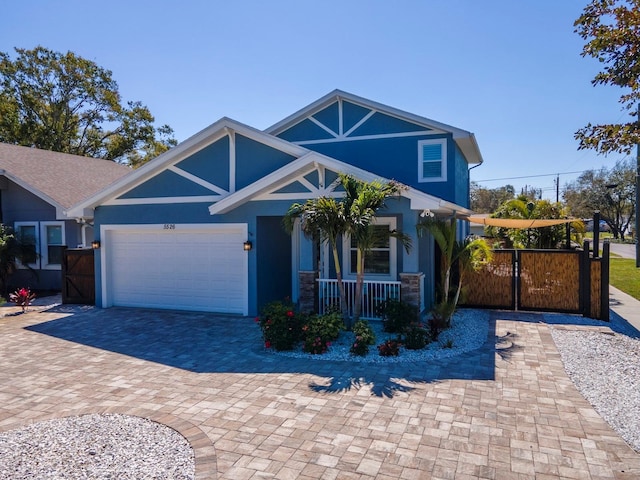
(322, 219)
(328, 219)
(469, 254)
(363, 200)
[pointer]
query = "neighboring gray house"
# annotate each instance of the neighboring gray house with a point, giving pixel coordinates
(36, 186)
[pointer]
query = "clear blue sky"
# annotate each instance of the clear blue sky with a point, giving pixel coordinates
(509, 71)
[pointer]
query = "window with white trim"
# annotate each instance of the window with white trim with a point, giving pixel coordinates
(380, 262)
(27, 233)
(52, 243)
(432, 160)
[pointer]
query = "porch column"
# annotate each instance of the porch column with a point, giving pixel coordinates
(308, 296)
(411, 289)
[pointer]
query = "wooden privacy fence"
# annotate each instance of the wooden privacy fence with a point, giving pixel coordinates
(569, 281)
(78, 277)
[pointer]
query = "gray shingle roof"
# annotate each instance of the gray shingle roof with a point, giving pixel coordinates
(65, 179)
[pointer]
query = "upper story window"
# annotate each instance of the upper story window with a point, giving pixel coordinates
(432, 160)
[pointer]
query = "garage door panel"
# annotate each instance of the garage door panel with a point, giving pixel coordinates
(194, 270)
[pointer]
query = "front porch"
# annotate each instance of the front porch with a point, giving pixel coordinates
(318, 295)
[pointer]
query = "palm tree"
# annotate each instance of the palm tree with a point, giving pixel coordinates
(363, 200)
(328, 219)
(469, 254)
(322, 219)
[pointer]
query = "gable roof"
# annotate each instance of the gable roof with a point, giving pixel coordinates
(465, 140)
(193, 144)
(60, 179)
(312, 161)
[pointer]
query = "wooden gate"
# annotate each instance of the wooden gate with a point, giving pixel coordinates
(78, 277)
(543, 280)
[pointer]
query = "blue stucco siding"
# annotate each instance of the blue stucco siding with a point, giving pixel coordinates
(381, 124)
(305, 130)
(352, 114)
(329, 117)
(210, 164)
(167, 184)
(394, 158)
(254, 160)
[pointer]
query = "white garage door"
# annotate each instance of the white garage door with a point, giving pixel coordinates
(178, 267)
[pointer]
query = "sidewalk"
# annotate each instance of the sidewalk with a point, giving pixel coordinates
(625, 305)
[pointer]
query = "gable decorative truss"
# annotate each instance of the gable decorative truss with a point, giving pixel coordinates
(267, 188)
(167, 164)
(341, 117)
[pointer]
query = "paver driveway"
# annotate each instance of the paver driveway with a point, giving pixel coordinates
(506, 411)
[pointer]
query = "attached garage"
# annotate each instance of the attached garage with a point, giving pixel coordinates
(176, 266)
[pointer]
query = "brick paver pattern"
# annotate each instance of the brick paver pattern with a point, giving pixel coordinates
(505, 411)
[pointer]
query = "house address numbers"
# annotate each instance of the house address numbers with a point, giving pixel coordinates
(169, 226)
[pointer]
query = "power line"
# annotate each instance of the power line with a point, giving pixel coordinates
(532, 176)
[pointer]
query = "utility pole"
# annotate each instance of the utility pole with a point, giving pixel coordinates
(558, 188)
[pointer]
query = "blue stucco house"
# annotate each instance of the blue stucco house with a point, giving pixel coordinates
(199, 227)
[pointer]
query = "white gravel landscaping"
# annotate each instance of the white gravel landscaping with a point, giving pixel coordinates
(469, 329)
(605, 368)
(98, 446)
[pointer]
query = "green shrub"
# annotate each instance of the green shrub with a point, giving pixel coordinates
(281, 326)
(416, 337)
(390, 348)
(440, 319)
(364, 338)
(397, 315)
(362, 329)
(319, 331)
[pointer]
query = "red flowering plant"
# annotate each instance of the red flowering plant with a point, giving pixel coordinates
(364, 337)
(281, 325)
(22, 298)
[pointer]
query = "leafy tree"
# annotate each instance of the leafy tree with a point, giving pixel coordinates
(63, 102)
(470, 254)
(328, 219)
(12, 251)
(611, 29)
(524, 208)
(611, 191)
(487, 200)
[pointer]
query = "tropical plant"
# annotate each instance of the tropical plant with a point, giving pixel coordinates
(526, 209)
(390, 347)
(416, 336)
(396, 315)
(320, 331)
(328, 219)
(364, 338)
(12, 252)
(281, 325)
(470, 254)
(22, 298)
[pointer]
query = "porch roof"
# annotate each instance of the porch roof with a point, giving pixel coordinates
(316, 161)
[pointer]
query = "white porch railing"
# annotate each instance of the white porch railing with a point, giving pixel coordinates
(374, 293)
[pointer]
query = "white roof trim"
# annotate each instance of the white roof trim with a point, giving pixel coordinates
(193, 144)
(466, 140)
(310, 162)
